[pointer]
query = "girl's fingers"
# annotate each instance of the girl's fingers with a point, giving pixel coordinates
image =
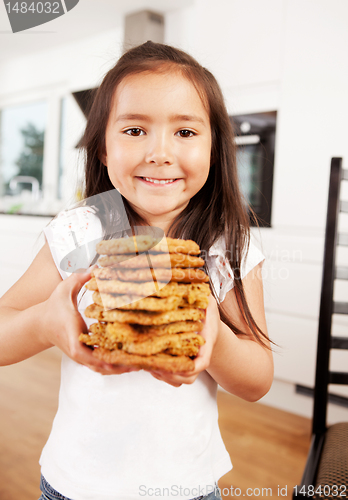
(112, 370)
(76, 281)
(85, 357)
(174, 379)
(165, 378)
(201, 363)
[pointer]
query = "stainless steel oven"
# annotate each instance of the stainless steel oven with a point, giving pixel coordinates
(255, 140)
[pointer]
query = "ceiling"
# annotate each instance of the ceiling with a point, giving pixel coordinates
(88, 18)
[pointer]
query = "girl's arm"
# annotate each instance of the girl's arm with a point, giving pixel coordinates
(238, 363)
(21, 310)
(40, 311)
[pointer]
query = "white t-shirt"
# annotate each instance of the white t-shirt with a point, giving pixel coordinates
(131, 436)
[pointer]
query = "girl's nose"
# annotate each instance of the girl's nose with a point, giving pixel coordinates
(160, 152)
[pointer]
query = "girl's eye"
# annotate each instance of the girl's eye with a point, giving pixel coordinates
(134, 132)
(186, 133)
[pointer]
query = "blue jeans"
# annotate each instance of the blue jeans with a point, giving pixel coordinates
(48, 493)
(214, 495)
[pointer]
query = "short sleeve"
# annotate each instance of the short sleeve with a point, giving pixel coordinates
(72, 230)
(220, 270)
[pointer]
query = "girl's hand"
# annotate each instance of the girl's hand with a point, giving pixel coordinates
(202, 361)
(63, 324)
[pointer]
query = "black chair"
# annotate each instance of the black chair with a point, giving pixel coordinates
(326, 471)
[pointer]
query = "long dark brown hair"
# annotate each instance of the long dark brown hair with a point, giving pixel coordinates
(218, 209)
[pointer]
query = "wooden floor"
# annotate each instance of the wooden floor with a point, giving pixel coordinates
(268, 447)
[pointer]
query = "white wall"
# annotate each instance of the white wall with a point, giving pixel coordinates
(74, 66)
(21, 239)
(289, 56)
(284, 55)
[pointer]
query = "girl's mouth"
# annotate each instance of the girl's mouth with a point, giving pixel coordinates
(151, 180)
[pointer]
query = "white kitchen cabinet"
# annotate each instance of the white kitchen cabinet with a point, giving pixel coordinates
(21, 239)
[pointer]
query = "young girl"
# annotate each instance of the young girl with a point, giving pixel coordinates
(159, 133)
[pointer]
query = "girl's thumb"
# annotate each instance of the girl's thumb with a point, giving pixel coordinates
(78, 279)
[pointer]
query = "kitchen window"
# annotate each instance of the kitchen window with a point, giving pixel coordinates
(39, 162)
(22, 132)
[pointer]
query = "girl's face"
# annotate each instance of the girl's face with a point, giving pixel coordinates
(158, 144)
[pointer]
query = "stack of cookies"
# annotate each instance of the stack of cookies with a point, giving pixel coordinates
(150, 297)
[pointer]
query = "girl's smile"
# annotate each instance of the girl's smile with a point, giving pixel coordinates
(158, 181)
(158, 144)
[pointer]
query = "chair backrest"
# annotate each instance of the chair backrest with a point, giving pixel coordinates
(320, 445)
(328, 306)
